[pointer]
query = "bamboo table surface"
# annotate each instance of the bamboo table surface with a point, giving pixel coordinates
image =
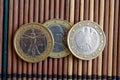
(14, 13)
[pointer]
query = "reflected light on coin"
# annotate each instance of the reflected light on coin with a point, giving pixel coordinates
(88, 40)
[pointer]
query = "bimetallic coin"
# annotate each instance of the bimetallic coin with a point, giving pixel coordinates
(59, 29)
(33, 42)
(86, 40)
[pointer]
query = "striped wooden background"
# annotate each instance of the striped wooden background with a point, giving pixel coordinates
(14, 13)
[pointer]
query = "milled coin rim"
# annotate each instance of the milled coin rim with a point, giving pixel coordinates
(98, 51)
(26, 57)
(67, 25)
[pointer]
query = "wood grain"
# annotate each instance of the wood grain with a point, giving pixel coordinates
(104, 12)
(36, 17)
(110, 43)
(81, 18)
(115, 37)
(86, 17)
(30, 19)
(15, 27)
(41, 20)
(105, 54)
(70, 57)
(45, 62)
(118, 60)
(96, 16)
(77, 11)
(55, 61)
(25, 18)
(10, 36)
(66, 17)
(52, 6)
(101, 22)
(67, 10)
(50, 60)
(41, 13)
(60, 60)
(91, 18)
(36, 10)
(75, 60)
(20, 16)
(62, 9)
(57, 8)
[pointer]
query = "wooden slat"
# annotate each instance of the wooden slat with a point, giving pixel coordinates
(105, 54)
(70, 57)
(60, 60)
(55, 61)
(36, 17)
(86, 17)
(30, 19)
(77, 11)
(115, 41)
(67, 10)
(110, 41)
(62, 9)
(96, 14)
(1, 31)
(41, 19)
(91, 18)
(36, 10)
(81, 18)
(66, 17)
(26, 6)
(118, 60)
(1, 34)
(41, 13)
(50, 63)
(45, 62)
(10, 35)
(75, 60)
(101, 22)
(20, 16)
(15, 27)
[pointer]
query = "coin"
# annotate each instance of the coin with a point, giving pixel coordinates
(86, 40)
(59, 29)
(33, 42)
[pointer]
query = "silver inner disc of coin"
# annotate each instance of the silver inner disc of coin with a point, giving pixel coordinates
(86, 40)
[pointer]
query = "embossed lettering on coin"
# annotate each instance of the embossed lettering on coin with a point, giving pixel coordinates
(86, 40)
(33, 42)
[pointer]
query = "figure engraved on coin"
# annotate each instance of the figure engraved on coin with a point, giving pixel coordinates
(59, 33)
(33, 42)
(86, 40)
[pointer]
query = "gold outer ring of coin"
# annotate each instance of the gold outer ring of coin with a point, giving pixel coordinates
(67, 25)
(24, 56)
(79, 25)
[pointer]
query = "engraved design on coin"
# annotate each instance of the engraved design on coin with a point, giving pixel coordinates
(59, 33)
(86, 40)
(59, 29)
(33, 42)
